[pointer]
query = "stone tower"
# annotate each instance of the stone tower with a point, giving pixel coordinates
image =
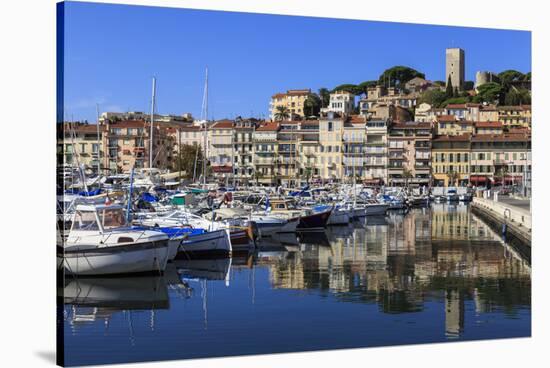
(454, 67)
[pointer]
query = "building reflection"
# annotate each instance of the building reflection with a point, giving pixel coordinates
(401, 261)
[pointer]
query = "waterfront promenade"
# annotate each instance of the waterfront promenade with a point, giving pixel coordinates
(511, 215)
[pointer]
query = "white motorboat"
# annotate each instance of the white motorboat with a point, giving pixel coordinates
(270, 225)
(375, 208)
(100, 243)
(194, 235)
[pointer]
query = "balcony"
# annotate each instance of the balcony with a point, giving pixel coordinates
(375, 150)
(375, 162)
(376, 144)
(353, 139)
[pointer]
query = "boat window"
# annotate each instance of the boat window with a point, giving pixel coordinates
(84, 221)
(112, 218)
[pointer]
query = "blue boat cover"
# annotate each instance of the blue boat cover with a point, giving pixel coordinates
(148, 197)
(172, 231)
(90, 193)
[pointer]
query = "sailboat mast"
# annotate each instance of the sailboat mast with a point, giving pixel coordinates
(205, 134)
(98, 142)
(152, 122)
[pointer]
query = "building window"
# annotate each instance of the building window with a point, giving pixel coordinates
(330, 126)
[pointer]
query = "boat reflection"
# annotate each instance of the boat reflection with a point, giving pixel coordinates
(146, 292)
(204, 269)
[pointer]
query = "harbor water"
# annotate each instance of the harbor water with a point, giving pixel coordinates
(436, 274)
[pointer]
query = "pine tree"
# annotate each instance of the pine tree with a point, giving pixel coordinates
(449, 89)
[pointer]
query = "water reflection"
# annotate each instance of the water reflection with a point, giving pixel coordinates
(402, 261)
(440, 269)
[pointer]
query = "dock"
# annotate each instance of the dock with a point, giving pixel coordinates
(511, 217)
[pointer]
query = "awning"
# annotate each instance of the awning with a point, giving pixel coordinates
(478, 179)
(372, 181)
(222, 169)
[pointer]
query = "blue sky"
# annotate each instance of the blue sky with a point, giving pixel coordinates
(113, 51)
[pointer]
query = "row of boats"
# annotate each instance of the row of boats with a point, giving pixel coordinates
(128, 231)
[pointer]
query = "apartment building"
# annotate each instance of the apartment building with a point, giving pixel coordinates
(341, 102)
(450, 160)
(500, 159)
(243, 150)
(488, 113)
(265, 146)
(309, 148)
(293, 100)
(452, 125)
(331, 134)
(287, 163)
(488, 127)
(409, 154)
(353, 147)
(79, 144)
(128, 142)
(515, 116)
(376, 151)
(220, 151)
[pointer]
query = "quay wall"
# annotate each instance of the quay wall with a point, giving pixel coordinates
(517, 221)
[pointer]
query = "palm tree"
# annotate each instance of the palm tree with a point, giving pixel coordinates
(407, 174)
(453, 177)
(282, 113)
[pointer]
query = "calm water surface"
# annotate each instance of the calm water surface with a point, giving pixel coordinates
(433, 275)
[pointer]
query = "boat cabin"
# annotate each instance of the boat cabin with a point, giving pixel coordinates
(99, 218)
(281, 204)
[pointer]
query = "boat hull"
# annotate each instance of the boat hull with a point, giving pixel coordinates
(339, 217)
(376, 209)
(120, 259)
(212, 243)
(317, 221)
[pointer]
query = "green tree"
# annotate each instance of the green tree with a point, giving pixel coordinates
(468, 85)
(455, 100)
(489, 92)
(312, 105)
(186, 157)
(398, 75)
(281, 113)
(324, 94)
(507, 77)
(517, 97)
(434, 97)
(365, 85)
(449, 90)
(352, 88)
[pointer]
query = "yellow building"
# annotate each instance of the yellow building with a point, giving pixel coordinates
(293, 100)
(451, 160)
(451, 125)
(515, 116)
(79, 144)
(331, 134)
